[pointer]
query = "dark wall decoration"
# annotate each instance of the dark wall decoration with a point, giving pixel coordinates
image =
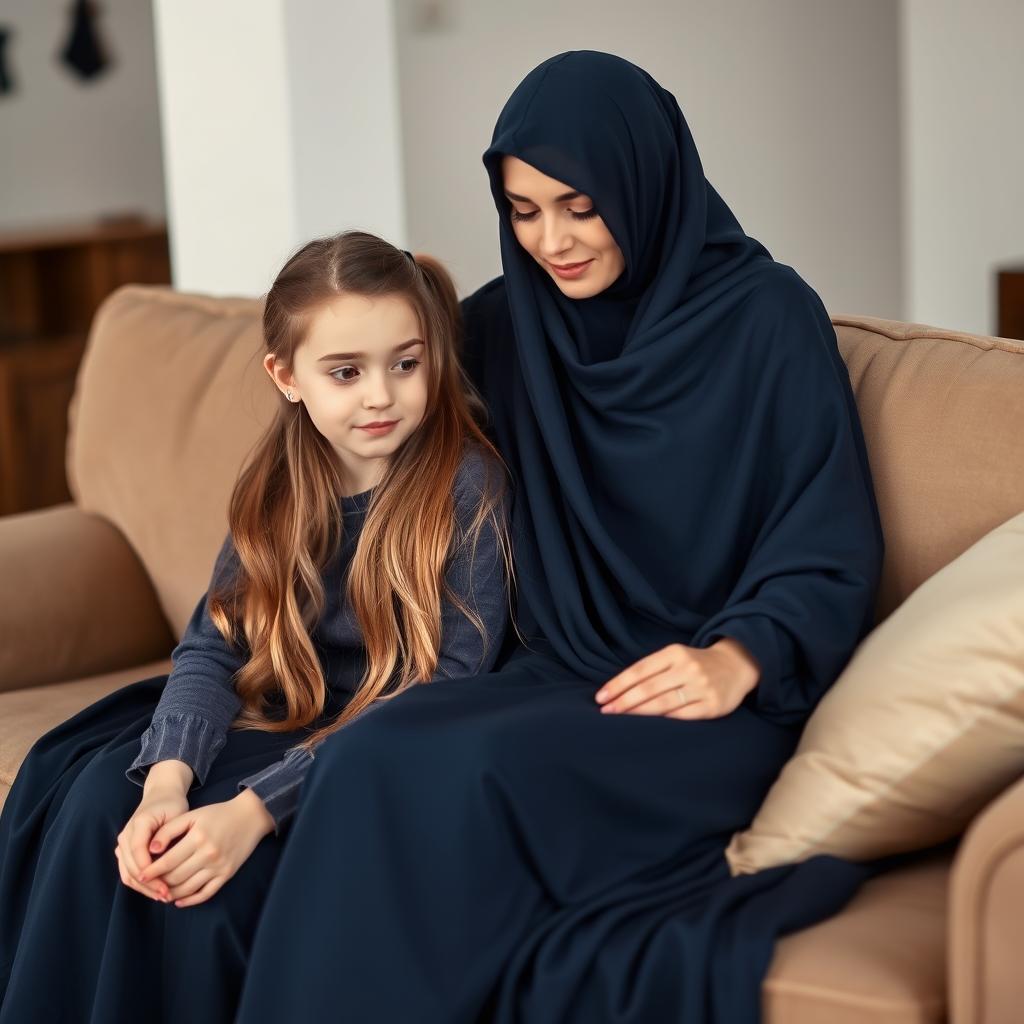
(6, 82)
(84, 53)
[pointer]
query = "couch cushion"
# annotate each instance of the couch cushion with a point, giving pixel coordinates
(170, 398)
(26, 714)
(944, 426)
(881, 959)
(922, 729)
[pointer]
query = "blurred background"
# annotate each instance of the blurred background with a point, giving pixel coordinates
(875, 146)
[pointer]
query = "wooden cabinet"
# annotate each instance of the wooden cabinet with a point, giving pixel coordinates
(52, 280)
(1010, 301)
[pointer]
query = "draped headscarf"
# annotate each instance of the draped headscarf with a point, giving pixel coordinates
(687, 454)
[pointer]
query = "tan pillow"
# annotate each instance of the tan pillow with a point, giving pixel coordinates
(923, 728)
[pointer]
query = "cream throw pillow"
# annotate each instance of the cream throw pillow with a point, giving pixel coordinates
(923, 727)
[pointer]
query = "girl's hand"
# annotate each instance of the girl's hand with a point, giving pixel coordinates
(213, 842)
(159, 804)
(714, 681)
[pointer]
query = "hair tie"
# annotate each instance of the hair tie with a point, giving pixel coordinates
(410, 255)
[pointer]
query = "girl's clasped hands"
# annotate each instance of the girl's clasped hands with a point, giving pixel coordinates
(171, 853)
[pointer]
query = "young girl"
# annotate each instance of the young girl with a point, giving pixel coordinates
(367, 553)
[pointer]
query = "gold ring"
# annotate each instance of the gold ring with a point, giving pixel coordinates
(682, 696)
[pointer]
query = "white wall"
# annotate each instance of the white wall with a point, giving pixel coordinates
(280, 122)
(73, 150)
(346, 121)
(964, 186)
(792, 104)
(874, 146)
(225, 122)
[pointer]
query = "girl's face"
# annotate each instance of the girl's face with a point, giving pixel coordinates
(558, 227)
(363, 362)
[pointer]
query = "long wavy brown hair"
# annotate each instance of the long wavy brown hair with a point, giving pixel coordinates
(285, 513)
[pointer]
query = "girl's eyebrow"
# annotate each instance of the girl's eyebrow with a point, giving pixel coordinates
(360, 355)
(558, 199)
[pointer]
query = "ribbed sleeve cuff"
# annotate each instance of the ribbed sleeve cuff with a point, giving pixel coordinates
(179, 737)
(279, 784)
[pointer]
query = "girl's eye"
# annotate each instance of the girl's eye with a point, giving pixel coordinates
(348, 380)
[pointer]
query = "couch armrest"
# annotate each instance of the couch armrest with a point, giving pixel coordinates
(74, 600)
(986, 925)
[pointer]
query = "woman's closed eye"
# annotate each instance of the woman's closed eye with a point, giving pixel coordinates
(348, 380)
(576, 215)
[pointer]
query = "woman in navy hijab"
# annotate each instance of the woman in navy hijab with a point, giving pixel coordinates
(698, 551)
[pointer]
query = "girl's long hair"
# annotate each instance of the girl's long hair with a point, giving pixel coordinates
(285, 511)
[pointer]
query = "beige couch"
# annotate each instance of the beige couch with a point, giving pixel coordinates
(171, 396)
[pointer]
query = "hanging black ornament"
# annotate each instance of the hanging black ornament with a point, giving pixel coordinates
(6, 85)
(83, 52)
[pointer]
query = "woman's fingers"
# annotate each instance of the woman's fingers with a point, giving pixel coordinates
(664, 703)
(649, 691)
(636, 674)
(696, 709)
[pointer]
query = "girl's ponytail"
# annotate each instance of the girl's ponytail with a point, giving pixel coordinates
(439, 281)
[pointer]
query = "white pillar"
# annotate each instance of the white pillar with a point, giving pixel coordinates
(280, 122)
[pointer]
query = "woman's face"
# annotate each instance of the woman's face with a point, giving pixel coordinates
(362, 361)
(560, 227)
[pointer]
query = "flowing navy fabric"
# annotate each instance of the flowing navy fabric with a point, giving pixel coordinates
(688, 441)
(78, 946)
(688, 464)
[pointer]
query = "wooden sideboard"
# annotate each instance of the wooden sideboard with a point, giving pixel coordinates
(1010, 302)
(52, 280)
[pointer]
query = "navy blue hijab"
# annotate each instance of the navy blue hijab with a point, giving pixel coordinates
(686, 450)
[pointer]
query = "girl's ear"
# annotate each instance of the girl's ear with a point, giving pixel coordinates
(279, 375)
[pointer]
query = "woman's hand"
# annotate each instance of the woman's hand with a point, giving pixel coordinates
(161, 802)
(713, 680)
(212, 844)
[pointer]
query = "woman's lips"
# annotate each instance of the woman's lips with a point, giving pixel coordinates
(570, 270)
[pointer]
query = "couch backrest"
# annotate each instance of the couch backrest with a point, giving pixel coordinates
(171, 396)
(943, 417)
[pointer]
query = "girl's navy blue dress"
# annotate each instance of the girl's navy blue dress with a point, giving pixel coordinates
(688, 464)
